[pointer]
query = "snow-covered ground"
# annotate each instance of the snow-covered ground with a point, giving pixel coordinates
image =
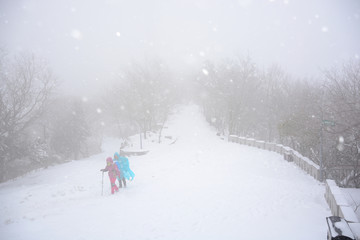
(199, 187)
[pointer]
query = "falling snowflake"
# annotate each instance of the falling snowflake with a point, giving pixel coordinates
(76, 34)
(205, 71)
(324, 29)
(341, 146)
(84, 99)
(102, 124)
(357, 56)
(118, 34)
(213, 120)
(98, 110)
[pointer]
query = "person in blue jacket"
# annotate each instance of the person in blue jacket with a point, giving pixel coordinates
(125, 171)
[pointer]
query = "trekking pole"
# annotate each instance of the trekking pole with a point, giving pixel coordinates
(102, 184)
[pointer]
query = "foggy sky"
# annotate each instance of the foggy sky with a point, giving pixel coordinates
(89, 42)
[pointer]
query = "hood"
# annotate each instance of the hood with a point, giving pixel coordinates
(109, 160)
(116, 156)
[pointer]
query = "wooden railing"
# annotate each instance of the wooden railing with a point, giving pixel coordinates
(333, 194)
(289, 154)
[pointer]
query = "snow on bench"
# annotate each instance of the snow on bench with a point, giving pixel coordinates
(134, 152)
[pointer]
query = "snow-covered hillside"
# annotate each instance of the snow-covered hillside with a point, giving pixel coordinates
(199, 187)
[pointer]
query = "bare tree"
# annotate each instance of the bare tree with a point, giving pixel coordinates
(343, 104)
(274, 97)
(70, 129)
(229, 94)
(26, 85)
(142, 96)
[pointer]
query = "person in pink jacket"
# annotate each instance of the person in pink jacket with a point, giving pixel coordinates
(113, 172)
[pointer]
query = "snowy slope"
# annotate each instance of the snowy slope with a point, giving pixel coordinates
(200, 187)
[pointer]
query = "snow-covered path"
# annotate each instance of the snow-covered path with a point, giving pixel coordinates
(200, 187)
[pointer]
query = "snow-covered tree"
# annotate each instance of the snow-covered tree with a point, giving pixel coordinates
(39, 152)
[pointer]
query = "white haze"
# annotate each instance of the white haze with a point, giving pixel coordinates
(89, 42)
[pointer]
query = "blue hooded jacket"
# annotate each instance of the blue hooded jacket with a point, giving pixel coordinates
(123, 165)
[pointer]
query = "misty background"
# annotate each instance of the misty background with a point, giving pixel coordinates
(74, 72)
(88, 43)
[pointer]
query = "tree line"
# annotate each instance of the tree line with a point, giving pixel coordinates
(319, 118)
(40, 127)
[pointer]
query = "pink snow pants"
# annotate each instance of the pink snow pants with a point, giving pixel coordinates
(113, 185)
